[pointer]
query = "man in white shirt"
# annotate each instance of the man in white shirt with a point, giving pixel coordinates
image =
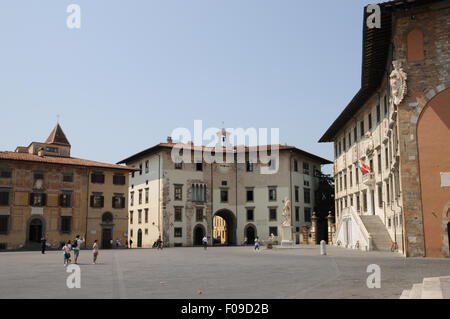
(76, 247)
(205, 242)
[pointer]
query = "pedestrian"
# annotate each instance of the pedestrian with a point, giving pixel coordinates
(43, 244)
(256, 243)
(159, 243)
(205, 242)
(66, 250)
(95, 251)
(117, 243)
(131, 243)
(111, 243)
(76, 245)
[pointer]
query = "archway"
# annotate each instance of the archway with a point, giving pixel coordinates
(35, 229)
(433, 139)
(199, 233)
(250, 233)
(139, 241)
(107, 230)
(230, 225)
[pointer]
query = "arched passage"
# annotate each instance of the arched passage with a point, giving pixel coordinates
(107, 230)
(230, 222)
(199, 233)
(35, 229)
(433, 140)
(250, 233)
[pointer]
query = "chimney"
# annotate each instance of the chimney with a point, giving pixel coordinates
(169, 139)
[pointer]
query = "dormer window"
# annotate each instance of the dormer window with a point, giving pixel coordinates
(51, 149)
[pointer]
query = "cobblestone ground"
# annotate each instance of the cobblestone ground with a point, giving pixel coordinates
(219, 272)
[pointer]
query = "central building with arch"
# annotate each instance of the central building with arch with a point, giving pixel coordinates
(184, 200)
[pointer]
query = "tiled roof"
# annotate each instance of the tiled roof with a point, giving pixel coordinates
(161, 146)
(14, 156)
(57, 136)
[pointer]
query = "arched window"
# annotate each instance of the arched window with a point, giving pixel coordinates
(107, 218)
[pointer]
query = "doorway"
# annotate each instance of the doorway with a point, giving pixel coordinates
(250, 233)
(199, 233)
(35, 231)
(139, 243)
(226, 230)
(106, 238)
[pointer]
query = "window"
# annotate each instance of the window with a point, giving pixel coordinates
(306, 168)
(296, 194)
(37, 199)
(386, 154)
(98, 178)
(250, 215)
(356, 175)
(66, 224)
(140, 197)
(306, 183)
(386, 106)
(178, 232)
(68, 177)
(307, 195)
(146, 231)
(146, 215)
(355, 134)
(351, 177)
(178, 213)
(224, 183)
(249, 166)
(4, 196)
(358, 204)
(249, 195)
(146, 195)
(198, 192)
(4, 223)
(140, 168)
(119, 179)
(199, 166)
(340, 148)
(307, 213)
(131, 233)
(178, 165)
(273, 230)
(97, 201)
(345, 181)
(297, 214)
(272, 194)
(378, 113)
(365, 201)
(349, 139)
(131, 198)
(131, 218)
(295, 165)
(139, 216)
(5, 172)
(224, 195)
(65, 199)
(147, 166)
(178, 195)
(272, 214)
(118, 201)
(379, 163)
(344, 143)
(362, 128)
(380, 196)
(199, 214)
(370, 121)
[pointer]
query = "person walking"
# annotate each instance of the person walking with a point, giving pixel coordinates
(43, 244)
(66, 250)
(256, 243)
(131, 243)
(159, 243)
(76, 246)
(205, 242)
(95, 251)
(117, 243)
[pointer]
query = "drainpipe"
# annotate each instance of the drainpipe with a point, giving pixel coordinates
(87, 208)
(290, 188)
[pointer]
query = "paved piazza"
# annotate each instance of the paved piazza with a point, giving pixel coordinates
(219, 272)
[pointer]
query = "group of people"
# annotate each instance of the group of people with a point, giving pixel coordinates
(75, 246)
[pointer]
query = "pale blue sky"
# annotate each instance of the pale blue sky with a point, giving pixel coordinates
(137, 69)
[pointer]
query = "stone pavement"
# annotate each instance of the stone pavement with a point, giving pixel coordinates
(219, 272)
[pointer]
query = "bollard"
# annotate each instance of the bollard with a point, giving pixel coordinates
(323, 247)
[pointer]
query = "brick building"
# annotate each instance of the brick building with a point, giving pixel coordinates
(398, 124)
(45, 192)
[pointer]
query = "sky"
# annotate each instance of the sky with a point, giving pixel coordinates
(137, 69)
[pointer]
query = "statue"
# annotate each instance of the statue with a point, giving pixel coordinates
(397, 81)
(369, 144)
(287, 212)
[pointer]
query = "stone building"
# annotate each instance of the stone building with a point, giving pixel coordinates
(178, 200)
(398, 125)
(46, 192)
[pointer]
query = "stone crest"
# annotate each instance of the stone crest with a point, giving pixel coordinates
(397, 81)
(369, 144)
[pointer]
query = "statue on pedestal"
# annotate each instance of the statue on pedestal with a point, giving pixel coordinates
(287, 212)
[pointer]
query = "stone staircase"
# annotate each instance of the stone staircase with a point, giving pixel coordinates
(380, 237)
(430, 288)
